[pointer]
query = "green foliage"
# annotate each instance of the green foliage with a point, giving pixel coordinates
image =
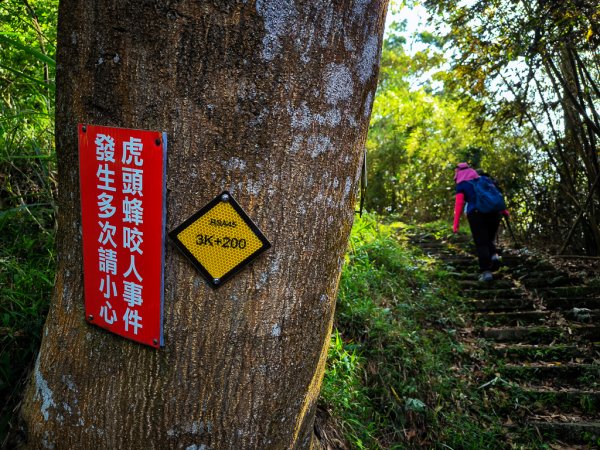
(343, 391)
(27, 188)
(27, 159)
(418, 134)
(397, 375)
(511, 87)
(27, 265)
(533, 66)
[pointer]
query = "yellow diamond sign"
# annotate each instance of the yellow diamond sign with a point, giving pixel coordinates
(220, 239)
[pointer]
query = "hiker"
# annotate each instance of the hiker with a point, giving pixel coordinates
(484, 225)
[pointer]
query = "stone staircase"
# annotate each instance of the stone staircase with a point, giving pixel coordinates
(541, 328)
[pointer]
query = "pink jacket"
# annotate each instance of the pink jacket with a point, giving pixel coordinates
(463, 173)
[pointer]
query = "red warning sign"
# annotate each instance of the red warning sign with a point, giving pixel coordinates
(122, 180)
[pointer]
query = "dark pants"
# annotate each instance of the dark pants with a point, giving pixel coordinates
(484, 228)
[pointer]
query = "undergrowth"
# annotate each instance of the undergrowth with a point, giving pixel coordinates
(398, 376)
(27, 255)
(27, 265)
(27, 190)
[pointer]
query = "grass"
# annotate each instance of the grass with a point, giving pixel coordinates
(401, 375)
(27, 256)
(27, 266)
(27, 233)
(398, 376)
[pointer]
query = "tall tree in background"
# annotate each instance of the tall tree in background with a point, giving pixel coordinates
(419, 131)
(270, 100)
(536, 64)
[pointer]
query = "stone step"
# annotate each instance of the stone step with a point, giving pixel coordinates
(473, 275)
(568, 303)
(525, 274)
(546, 282)
(465, 262)
(432, 240)
(514, 260)
(435, 246)
(537, 335)
(459, 257)
(435, 255)
(578, 316)
(524, 266)
(548, 353)
(541, 334)
(494, 293)
(568, 291)
(505, 304)
(570, 375)
(438, 251)
(569, 432)
(475, 285)
(516, 264)
(583, 315)
(511, 318)
(565, 400)
(462, 275)
(528, 265)
(558, 376)
(427, 242)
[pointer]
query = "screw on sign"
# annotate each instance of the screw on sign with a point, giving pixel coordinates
(122, 180)
(220, 239)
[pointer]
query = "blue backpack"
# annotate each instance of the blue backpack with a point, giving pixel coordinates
(487, 196)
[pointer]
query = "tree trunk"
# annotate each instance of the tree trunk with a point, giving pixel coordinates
(575, 143)
(270, 101)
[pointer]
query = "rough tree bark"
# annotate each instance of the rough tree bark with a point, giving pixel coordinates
(269, 100)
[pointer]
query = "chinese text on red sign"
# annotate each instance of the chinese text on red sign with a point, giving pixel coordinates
(122, 179)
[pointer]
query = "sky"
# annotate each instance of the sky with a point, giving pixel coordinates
(415, 21)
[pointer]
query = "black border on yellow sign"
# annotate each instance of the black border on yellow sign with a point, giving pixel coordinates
(218, 199)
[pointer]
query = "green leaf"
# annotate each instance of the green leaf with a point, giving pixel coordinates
(27, 49)
(49, 85)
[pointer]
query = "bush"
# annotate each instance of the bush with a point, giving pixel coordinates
(398, 376)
